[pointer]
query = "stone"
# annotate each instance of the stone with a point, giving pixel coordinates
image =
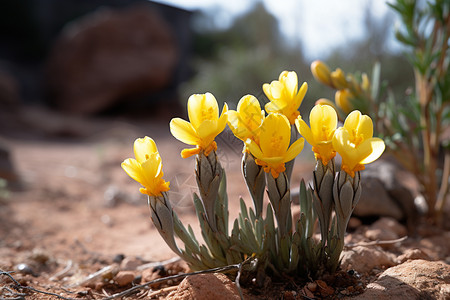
(385, 194)
(385, 229)
(375, 201)
(110, 55)
(412, 254)
(124, 278)
(130, 263)
(204, 287)
(365, 259)
(7, 169)
(416, 279)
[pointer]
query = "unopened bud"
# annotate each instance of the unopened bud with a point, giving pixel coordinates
(365, 82)
(342, 98)
(324, 101)
(338, 79)
(321, 72)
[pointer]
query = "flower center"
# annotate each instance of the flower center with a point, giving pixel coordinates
(207, 114)
(275, 142)
(356, 138)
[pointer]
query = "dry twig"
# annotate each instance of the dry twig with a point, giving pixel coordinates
(376, 243)
(224, 269)
(17, 286)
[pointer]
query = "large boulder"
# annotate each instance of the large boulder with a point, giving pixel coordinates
(110, 55)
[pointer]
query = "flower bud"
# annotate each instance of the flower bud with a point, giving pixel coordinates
(365, 82)
(162, 217)
(338, 79)
(342, 98)
(321, 72)
(346, 192)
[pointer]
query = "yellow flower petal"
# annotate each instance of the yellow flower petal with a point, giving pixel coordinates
(377, 147)
(184, 132)
(254, 149)
(133, 169)
(294, 150)
(304, 130)
(275, 135)
(202, 107)
(144, 147)
(290, 81)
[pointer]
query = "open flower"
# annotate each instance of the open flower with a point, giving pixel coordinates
(147, 167)
(284, 95)
(246, 121)
(205, 124)
(355, 144)
(273, 150)
(323, 120)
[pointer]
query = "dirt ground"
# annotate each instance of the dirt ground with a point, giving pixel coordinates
(72, 210)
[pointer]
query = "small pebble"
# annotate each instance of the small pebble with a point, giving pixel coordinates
(25, 269)
(124, 278)
(160, 270)
(118, 258)
(312, 286)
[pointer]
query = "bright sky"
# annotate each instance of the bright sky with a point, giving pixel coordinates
(321, 24)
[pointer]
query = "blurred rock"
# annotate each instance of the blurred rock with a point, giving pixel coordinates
(124, 278)
(385, 194)
(386, 229)
(412, 254)
(7, 170)
(365, 259)
(204, 287)
(109, 55)
(416, 279)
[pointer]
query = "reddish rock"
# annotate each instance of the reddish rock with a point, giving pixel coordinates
(205, 287)
(110, 55)
(386, 229)
(412, 254)
(417, 279)
(124, 278)
(365, 259)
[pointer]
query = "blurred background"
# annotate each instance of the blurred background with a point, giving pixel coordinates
(109, 57)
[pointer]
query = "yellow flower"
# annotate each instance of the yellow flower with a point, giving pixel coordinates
(147, 167)
(321, 72)
(246, 121)
(355, 144)
(323, 120)
(342, 98)
(284, 96)
(205, 124)
(273, 149)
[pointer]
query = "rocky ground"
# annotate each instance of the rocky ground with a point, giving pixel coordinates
(73, 224)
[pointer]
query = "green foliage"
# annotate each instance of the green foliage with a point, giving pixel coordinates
(414, 124)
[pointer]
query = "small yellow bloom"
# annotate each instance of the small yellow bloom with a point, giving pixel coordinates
(246, 121)
(323, 120)
(321, 72)
(205, 124)
(338, 79)
(355, 144)
(147, 167)
(273, 150)
(284, 96)
(342, 98)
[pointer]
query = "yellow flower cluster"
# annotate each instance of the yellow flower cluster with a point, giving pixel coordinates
(266, 137)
